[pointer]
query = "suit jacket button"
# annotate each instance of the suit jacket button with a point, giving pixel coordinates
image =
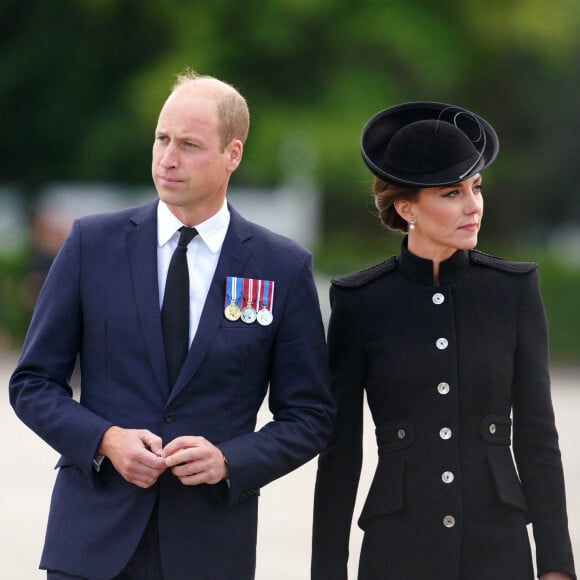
(169, 417)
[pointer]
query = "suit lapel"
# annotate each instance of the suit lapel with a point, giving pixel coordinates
(233, 258)
(142, 250)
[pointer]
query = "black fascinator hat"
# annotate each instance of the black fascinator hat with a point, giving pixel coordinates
(424, 144)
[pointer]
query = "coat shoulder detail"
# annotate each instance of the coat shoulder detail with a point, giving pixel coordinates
(490, 261)
(368, 275)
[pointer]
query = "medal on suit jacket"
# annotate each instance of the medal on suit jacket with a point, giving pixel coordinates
(249, 299)
(265, 300)
(232, 309)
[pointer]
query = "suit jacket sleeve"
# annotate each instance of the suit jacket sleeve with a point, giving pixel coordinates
(339, 466)
(40, 391)
(536, 447)
(299, 395)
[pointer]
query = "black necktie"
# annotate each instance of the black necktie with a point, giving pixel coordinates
(175, 309)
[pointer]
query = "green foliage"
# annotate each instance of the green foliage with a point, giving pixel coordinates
(15, 303)
(561, 289)
(339, 254)
(83, 82)
(527, 25)
(65, 66)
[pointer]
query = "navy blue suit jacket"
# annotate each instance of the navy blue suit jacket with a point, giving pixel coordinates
(101, 302)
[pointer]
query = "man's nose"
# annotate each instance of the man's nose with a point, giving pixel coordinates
(169, 157)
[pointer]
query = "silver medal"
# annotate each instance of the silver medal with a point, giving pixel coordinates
(264, 317)
(248, 315)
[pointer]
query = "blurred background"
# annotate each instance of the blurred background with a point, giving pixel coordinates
(81, 86)
(82, 83)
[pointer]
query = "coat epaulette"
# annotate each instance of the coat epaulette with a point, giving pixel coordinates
(368, 275)
(501, 264)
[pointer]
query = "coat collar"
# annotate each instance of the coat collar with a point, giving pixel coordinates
(421, 271)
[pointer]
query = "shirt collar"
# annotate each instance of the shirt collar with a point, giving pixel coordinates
(212, 231)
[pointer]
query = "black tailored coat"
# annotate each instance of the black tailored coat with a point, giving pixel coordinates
(443, 368)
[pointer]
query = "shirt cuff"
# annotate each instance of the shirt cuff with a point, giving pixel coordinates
(97, 462)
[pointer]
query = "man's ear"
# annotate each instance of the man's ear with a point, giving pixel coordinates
(235, 149)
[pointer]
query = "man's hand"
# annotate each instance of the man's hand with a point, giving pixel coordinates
(136, 454)
(554, 576)
(195, 460)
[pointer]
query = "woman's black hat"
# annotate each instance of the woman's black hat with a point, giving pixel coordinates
(425, 144)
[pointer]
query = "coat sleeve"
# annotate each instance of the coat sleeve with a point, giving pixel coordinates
(40, 390)
(339, 466)
(299, 396)
(536, 447)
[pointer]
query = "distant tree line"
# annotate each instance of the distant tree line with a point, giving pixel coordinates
(83, 80)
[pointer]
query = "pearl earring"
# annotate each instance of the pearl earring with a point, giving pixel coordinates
(412, 226)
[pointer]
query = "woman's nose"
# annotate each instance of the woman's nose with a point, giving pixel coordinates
(473, 204)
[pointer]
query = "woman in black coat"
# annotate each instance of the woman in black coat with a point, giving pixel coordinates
(449, 344)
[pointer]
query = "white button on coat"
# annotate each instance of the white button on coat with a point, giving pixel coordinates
(438, 298)
(447, 477)
(445, 433)
(441, 343)
(443, 388)
(448, 521)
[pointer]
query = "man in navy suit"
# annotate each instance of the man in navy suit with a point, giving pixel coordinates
(160, 479)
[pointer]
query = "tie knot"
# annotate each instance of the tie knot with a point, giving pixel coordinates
(186, 235)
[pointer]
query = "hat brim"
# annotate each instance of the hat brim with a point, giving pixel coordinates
(380, 128)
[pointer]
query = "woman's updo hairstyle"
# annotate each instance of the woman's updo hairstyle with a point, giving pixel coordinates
(385, 195)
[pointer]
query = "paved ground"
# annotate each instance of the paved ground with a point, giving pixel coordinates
(285, 507)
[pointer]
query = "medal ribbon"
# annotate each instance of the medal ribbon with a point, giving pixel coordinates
(267, 294)
(231, 291)
(250, 291)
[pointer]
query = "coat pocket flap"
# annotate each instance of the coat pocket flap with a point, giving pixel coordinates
(394, 435)
(386, 494)
(507, 483)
